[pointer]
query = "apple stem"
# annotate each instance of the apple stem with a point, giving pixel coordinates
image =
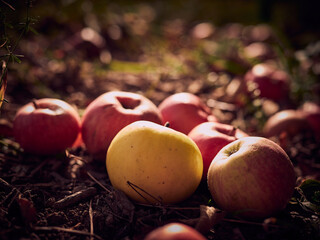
(167, 124)
(35, 104)
(233, 131)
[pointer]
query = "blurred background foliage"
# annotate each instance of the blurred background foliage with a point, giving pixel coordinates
(294, 18)
(155, 36)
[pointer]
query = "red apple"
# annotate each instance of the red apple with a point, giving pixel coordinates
(210, 137)
(268, 81)
(311, 112)
(259, 50)
(109, 113)
(46, 126)
(175, 231)
(184, 111)
(252, 177)
(289, 121)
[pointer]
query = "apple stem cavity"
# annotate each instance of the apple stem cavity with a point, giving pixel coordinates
(233, 150)
(128, 103)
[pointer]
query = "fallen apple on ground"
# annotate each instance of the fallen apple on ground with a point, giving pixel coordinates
(46, 126)
(152, 163)
(174, 231)
(272, 83)
(289, 121)
(210, 137)
(252, 177)
(184, 111)
(311, 112)
(109, 113)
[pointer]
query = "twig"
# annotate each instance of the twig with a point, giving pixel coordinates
(4, 2)
(14, 192)
(97, 182)
(4, 185)
(135, 187)
(68, 230)
(37, 168)
(74, 198)
(91, 219)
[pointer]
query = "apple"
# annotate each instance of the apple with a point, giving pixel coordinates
(311, 112)
(252, 177)
(258, 50)
(152, 163)
(210, 137)
(290, 121)
(46, 126)
(268, 82)
(184, 111)
(174, 231)
(109, 113)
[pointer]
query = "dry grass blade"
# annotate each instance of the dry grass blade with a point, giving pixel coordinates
(97, 182)
(3, 82)
(91, 219)
(141, 191)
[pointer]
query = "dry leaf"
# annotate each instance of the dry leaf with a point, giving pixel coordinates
(27, 210)
(209, 216)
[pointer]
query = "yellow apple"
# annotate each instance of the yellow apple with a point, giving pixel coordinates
(152, 163)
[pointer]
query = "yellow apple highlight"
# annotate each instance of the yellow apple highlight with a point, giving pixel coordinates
(152, 163)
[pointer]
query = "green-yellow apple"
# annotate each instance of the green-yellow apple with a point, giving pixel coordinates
(210, 137)
(46, 126)
(152, 163)
(184, 111)
(252, 177)
(109, 113)
(174, 231)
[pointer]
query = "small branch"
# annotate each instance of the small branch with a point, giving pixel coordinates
(91, 219)
(13, 193)
(97, 182)
(4, 185)
(74, 198)
(4, 2)
(68, 230)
